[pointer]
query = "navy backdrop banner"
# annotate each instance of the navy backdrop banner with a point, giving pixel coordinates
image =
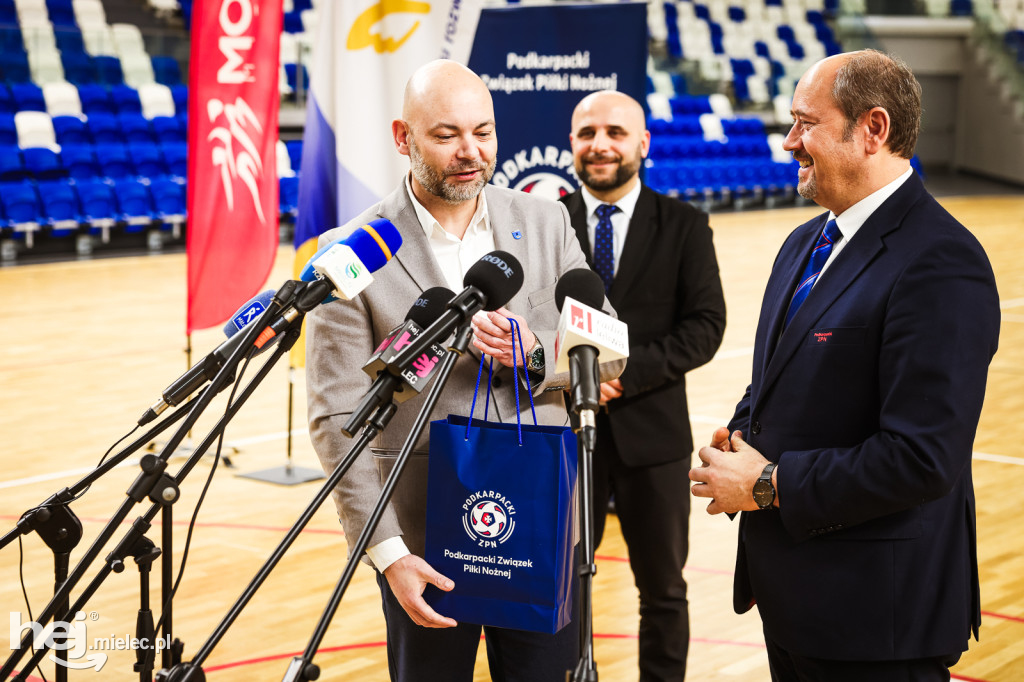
(539, 62)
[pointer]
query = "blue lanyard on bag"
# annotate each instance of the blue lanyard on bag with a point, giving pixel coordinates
(515, 373)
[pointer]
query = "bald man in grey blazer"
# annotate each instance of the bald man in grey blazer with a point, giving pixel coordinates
(448, 217)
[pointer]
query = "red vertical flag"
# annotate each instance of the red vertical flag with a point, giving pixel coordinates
(232, 170)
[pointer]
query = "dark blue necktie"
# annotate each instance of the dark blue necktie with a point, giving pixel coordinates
(822, 249)
(604, 253)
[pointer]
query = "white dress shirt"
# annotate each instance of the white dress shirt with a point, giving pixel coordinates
(454, 256)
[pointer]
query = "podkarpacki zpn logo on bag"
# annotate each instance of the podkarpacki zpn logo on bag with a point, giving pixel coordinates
(488, 518)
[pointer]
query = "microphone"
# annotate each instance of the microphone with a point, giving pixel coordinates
(427, 308)
(249, 311)
(490, 283)
(388, 386)
(585, 333)
(339, 270)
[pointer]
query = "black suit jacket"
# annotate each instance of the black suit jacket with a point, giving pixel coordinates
(869, 401)
(667, 289)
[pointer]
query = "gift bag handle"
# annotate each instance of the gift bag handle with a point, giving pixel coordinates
(517, 334)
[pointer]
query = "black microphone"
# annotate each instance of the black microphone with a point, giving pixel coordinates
(584, 334)
(427, 308)
(490, 283)
(405, 385)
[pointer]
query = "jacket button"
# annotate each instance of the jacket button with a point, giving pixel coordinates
(755, 428)
(496, 382)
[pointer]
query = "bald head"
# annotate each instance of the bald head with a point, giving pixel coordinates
(441, 85)
(609, 141)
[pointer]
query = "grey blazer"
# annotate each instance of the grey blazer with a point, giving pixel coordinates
(342, 335)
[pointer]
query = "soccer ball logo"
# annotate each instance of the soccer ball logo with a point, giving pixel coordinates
(488, 519)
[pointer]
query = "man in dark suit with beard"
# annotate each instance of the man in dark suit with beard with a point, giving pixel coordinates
(656, 257)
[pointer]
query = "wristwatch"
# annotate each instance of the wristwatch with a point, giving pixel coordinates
(764, 491)
(535, 358)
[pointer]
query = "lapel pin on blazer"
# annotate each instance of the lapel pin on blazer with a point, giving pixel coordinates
(516, 234)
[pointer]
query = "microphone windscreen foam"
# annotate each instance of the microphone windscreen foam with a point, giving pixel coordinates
(249, 311)
(498, 275)
(429, 306)
(375, 243)
(584, 285)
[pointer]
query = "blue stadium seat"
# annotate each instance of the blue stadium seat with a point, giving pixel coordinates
(7, 105)
(167, 129)
(135, 204)
(114, 161)
(168, 201)
(99, 206)
(147, 159)
(80, 161)
(95, 100)
(292, 72)
(24, 212)
(288, 196)
(43, 164)
(60, 206)
(70, 130)
(135, 128)
(78, 67)
(61, 13)
(108, 70)
(295, 153)
(14, 66)
(176, 158)
(166, 70)
(126, 99)
(104, 129)
(180, 95)
(28, 97)
(8, 130)
(12, 167)
(69, 39)
(293, 22)
(10, 35)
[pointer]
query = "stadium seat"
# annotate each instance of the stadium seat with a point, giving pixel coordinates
(8, 131)
(42, 163)
(179, 93)
(156, 99)
(12, 167)
(89, 11)
(167, 71)
(135, 128)
(70, 130)
(69, 39)
(28, 97)
(99, 206)
(10, 34)
(288, 197)
(295, 154)
(14, 66)
(96, 100)
(62, 99)
(169, 203)
(61, 13)
(24, 212)
(108, 70)
(126, 99)
(80, 161)
(61, 208)
(294, 73)
(127, 39)
(147, 160)
(137, 69)
(284, 161)
(78, 67)
(35, 129)
(114, 161)
(167, 129)
(134, 203)
(176, 159)
(37, 32)
(98, 40)
(103, 129)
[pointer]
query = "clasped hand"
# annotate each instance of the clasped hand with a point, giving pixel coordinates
(729, 469)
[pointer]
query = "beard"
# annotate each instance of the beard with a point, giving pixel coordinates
(626, 170)
(808, 189)
(434, 181)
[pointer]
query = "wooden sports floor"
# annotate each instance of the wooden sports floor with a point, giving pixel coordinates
(88, 346)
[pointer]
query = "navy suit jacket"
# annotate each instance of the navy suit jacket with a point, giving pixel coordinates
(869, 401)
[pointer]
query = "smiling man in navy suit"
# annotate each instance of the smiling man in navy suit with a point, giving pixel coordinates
(850, 453)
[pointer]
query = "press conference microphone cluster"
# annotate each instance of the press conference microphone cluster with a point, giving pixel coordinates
(339, 270)
(585, 334)
(489, 284)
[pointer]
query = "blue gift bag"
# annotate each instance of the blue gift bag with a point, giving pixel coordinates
(500, 520)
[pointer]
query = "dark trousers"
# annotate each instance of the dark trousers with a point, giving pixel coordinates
(653, 506)
(789, 667)
(418, 654)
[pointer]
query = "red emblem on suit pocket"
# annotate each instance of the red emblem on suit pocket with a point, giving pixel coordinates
(822, 337)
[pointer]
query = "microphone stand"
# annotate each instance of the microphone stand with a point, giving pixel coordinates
(302, 668)
(192, 670)
(153, 483)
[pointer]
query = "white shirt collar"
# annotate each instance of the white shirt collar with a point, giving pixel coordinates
(479, 223)
(627, 204)
(854, 217)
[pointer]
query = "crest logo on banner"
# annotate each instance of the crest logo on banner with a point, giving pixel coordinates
(545, 171)
(488, 518)
(361, 34)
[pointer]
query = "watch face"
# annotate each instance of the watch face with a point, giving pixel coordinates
(764, 494)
